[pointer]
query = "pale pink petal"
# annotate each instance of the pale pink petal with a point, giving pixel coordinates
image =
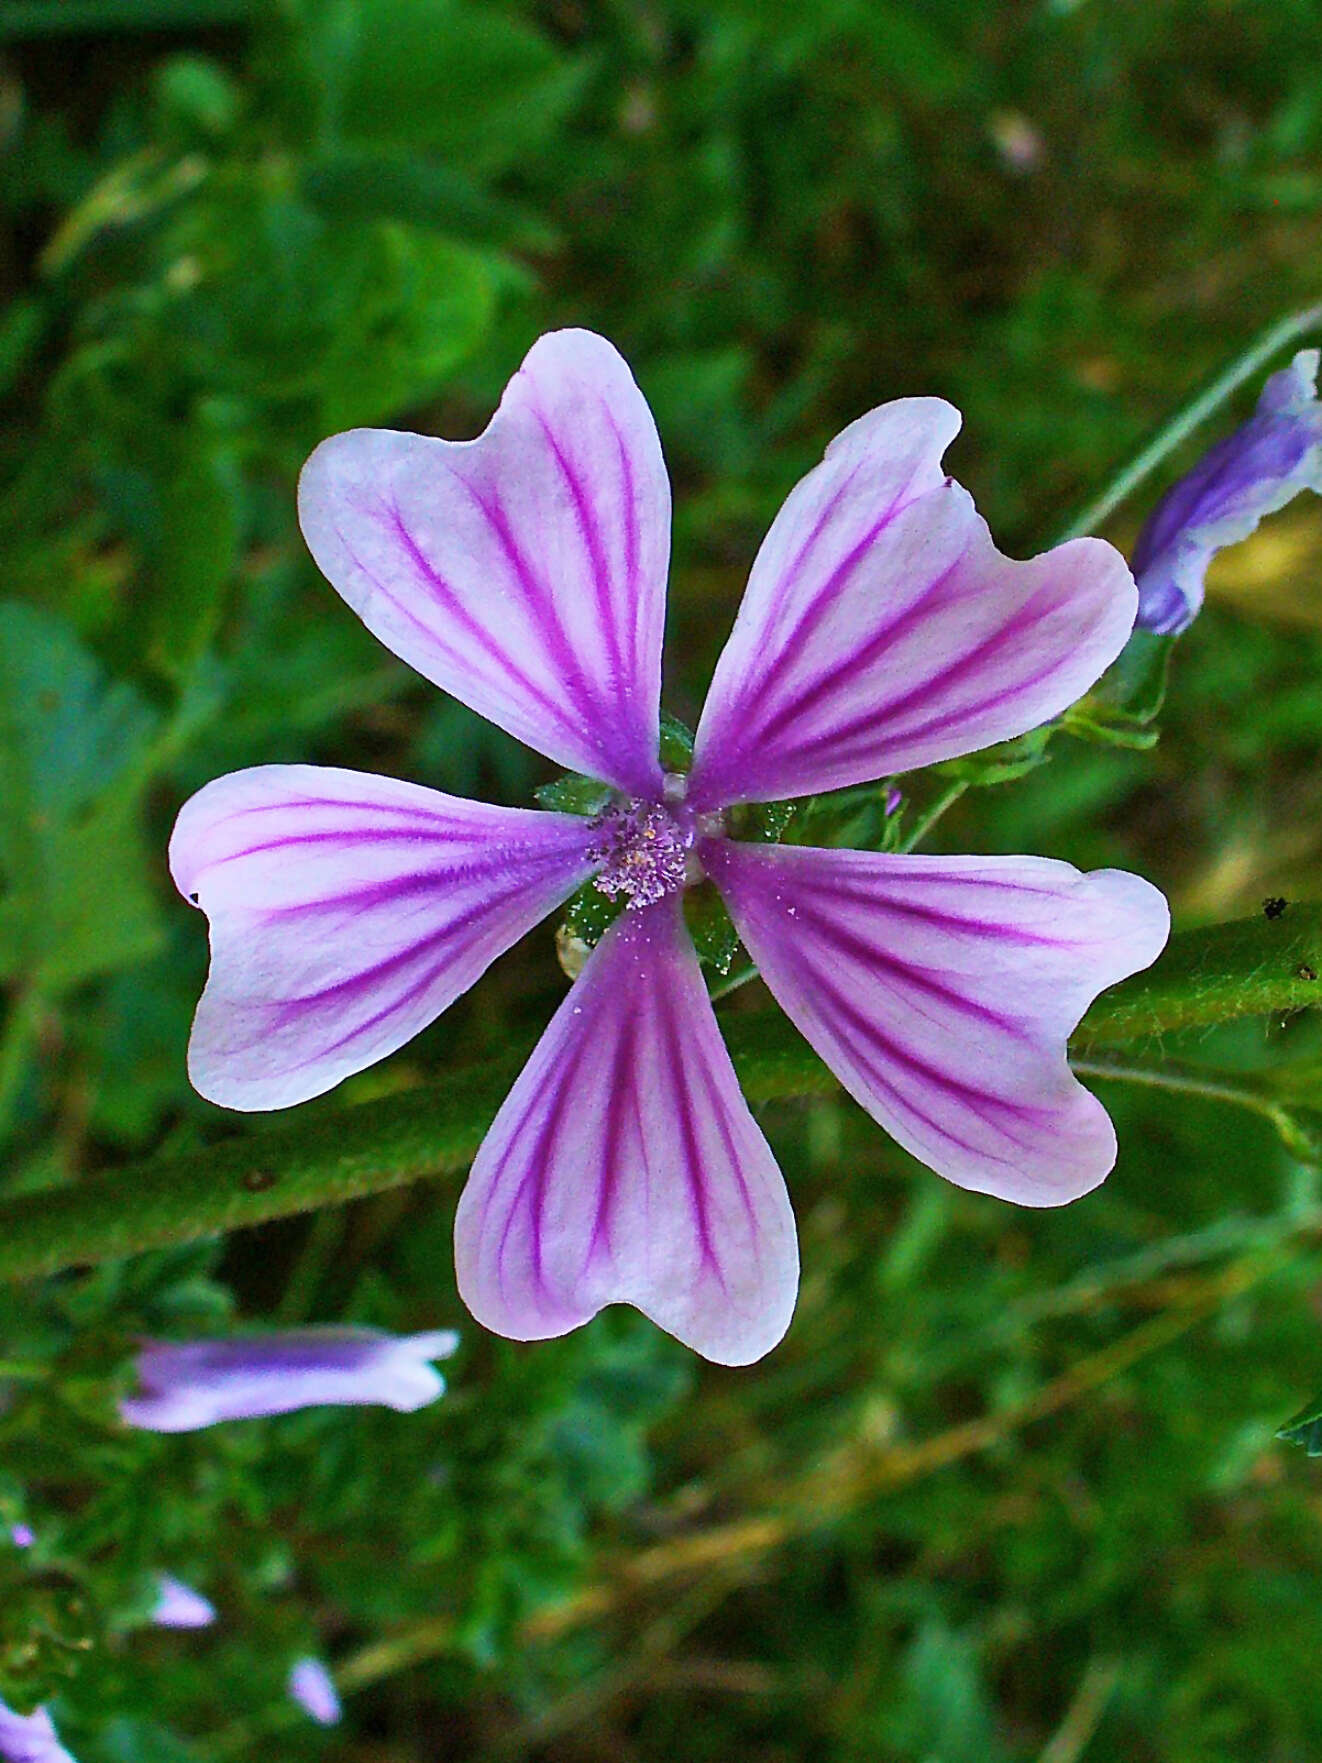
(626, 1168)
(941, 991)
(882, 630)
(525, 571)
(347, 911)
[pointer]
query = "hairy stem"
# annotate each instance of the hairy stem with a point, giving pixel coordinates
(324, 1155)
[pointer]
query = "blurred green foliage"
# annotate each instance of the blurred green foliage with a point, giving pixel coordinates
(1010, 1490)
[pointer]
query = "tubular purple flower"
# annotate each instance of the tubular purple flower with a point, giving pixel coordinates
(30, 1738)
(1251, 473)
(311, 1686)
(191, 1384)
(179, 1606)
(525, 573)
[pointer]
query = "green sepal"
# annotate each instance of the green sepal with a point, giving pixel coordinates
(760, 823)
(1121, 707)
(711, 927)
(575, 794)
(676, 744)
(1002, 763)
(1305, 1429)
(590, 914)
(1102, 733)
(1135, 683)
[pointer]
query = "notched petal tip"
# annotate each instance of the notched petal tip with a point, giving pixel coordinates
(942, 992)
(625, 1167)
(347, 912)
(882, 630)
(524, 571)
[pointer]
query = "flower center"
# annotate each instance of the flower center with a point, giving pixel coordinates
(645, 849)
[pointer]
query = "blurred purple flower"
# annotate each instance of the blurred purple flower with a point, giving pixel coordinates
(22, 1536)
(30, 1738)
(190, 1384)
(1252, 472)
(179, 1606)
(311, 1686)
(525, 573)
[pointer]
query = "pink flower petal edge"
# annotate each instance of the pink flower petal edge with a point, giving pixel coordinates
(313, 1688)
(625, 1167)
(347, 912)
(941, 991)
(525, 571)
(882, 631)
(30, 1738)
(185, 1385)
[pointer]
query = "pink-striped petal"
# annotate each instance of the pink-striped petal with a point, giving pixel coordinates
(882, 630)
(941, 991)
(525, 571)
(625, 1167)
(347, 911)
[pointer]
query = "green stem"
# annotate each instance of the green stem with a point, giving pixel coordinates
(1246, 366)
(928, 819)
(1186, 1081)
(322, 1155)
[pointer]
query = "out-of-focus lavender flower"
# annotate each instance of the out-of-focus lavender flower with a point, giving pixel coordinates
(894, 800)
(179, 1606)
(311, 1687)
(1252, 472)
(190, 1384)
(881, 631)
(30, 1738)
(22, 1536)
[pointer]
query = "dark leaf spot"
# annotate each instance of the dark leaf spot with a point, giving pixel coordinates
(1273, 906)
(257, 1181)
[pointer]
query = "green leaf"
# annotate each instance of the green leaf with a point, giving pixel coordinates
(711, 927)
(416, 306)
(35, 18)
(197, 558)
(467, 81)
(575, 794)
(366, 184)
(21, 326)
(676, 743)
(590, 914)
(1002, 763)
(1305, 1429)
(74, 899)
(47, 1626)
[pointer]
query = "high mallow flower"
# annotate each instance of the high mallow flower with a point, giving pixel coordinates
(311, 1685)
(184, 1385)
(525, 572)
(179, 1606)
(1259, 468)
(30, 1738)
